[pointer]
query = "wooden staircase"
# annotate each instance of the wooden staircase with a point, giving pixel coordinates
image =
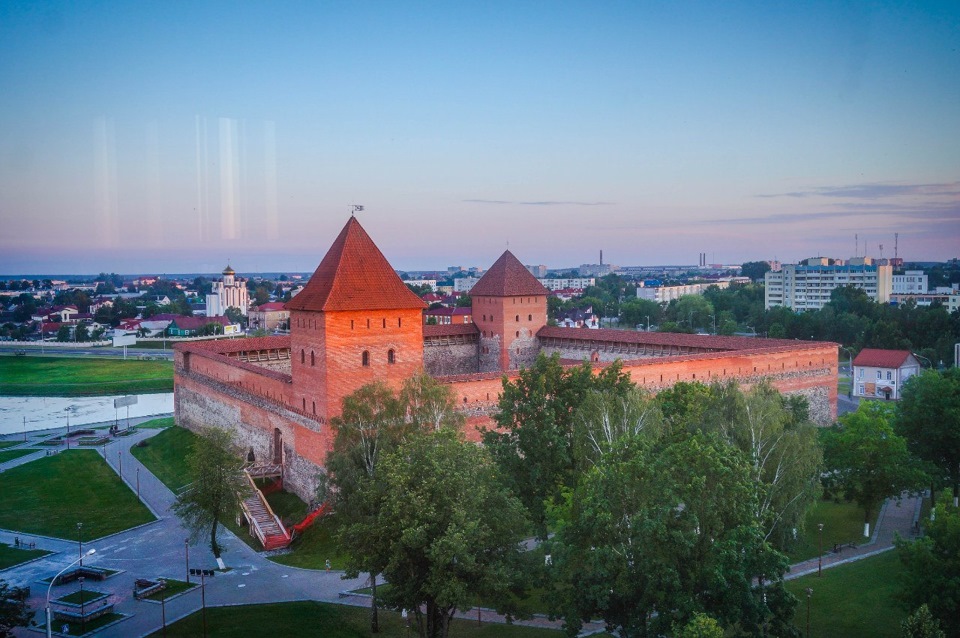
(264, 524)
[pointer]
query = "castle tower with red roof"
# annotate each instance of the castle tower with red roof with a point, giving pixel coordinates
(509, 307)
(355, 322)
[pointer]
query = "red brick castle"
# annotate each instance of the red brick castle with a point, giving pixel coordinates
(356, 322)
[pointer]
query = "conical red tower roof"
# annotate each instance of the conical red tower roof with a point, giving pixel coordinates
(507, 277)
(354, 275)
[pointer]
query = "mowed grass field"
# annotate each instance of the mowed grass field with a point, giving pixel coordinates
(854, 600)
(10, 555)
(330, 621)
(51, 495)
(842, 523)
(75, 377)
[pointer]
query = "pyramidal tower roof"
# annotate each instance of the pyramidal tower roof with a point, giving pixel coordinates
(507, 277)
(354, 275)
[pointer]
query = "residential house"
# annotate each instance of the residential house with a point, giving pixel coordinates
(880, 374)
(270, 316)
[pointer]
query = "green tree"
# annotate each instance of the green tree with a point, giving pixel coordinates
(928, 416)
(13, 608)
(921, 624)
(429, 404)
(448, 532)
(931, 564)
(533, 444)
(700, 626)
(755, 270)
(235, 315)
(370, 425)
(638, 312)
(780, 443)
(81, 332)
(658, 531)
(694, 311)
(217, 487)
(868, 460)
(261, 295)
(604, 418)
(63, 333)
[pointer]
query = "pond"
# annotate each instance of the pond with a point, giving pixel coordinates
(42, 413)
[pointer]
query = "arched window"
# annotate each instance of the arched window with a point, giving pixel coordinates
(366, 358)
(518, 333)
(303, 357)
(384, 323)
(518, 318)
(529, 317)
(391, 356)
(313, 359)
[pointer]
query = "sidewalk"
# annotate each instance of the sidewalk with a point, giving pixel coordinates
(895, 518)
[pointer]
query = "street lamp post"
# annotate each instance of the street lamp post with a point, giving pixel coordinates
(80, 542)
(186, 553)
(920, 356)
(809, 594)
(83, 627)
(820, 555)
(52, 581)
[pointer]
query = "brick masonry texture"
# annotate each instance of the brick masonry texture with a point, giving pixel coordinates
(278, 394)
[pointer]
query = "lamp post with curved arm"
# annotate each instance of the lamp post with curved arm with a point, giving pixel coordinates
(52, 581)
(920, 356)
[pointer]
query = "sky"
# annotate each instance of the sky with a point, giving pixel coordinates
(153, 137)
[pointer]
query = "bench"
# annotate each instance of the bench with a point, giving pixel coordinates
(86, 572)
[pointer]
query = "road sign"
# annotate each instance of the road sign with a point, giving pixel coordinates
(125, 340)
(121, 402)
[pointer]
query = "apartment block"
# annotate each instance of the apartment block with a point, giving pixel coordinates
(807, 286)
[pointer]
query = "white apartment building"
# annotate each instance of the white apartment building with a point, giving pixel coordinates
(571, 283)
(464, 284)
(664, 294)
(807, 286)
(912, 282)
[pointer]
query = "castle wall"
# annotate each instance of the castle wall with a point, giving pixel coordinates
(510, 325)
(449, 357)
(257, 423)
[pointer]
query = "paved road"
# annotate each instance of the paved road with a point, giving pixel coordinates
(157, 550)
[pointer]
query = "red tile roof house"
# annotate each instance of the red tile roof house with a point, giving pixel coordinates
(355, 322)
(183, 326)
(880, 374)
(448, 316)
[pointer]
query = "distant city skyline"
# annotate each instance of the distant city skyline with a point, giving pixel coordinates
(157, 137)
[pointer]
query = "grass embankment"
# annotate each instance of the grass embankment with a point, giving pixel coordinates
(5, 444)
(166, 456)
(157, 424)
(84, 597)
(842, 523)
(852, 600)
(9, 455)
(51, 495)
(75, 628)
(10, 556)
(72, 377)
(329, 621)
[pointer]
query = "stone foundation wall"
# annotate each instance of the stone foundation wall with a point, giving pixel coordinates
(444, 359)
(524, 350)
(258, 424)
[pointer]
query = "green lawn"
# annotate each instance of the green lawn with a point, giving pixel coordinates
(312, 549)
(6, 444)
(166, 456)
(852, 600)
(72, 377)
(10, 556)
(329, 621)
(157, 424)
(51, 495)
(9, 455)
(76, 628)
(174, 587)
(842, 523)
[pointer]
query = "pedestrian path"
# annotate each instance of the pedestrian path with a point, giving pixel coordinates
(896, 517)
(162, 549)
